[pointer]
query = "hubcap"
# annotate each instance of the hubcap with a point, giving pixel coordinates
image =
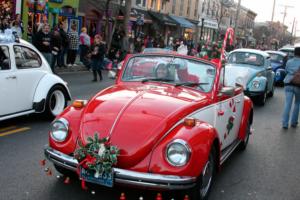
(57, 102)
(206, 177)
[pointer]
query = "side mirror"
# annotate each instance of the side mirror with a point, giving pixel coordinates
(227, 91)
(269, 68)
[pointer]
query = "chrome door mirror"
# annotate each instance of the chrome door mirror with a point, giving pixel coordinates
(227, 91)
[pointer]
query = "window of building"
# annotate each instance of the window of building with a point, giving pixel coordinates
(181, 6)
(173, 6)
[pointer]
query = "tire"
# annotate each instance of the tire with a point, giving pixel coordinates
(244, 143)
(56, 101)
(271, 93)
(261, 99)
(205, 181)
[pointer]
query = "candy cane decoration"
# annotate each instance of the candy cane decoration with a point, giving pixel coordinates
(229, 33)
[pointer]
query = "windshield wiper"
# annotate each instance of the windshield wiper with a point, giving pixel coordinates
(157, 79)
(190, 84)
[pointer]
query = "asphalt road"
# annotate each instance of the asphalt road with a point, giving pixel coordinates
(268, 170)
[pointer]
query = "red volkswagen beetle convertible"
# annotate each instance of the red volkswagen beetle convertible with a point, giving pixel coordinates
(168, 123)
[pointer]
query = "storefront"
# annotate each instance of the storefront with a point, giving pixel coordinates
(209, 29)
(49, 11)
(186, 28)
(164, 25)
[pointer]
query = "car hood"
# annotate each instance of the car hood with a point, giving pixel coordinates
(136, 117)
(240, 73)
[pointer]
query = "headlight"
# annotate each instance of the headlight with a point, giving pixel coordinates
(59, 130)
(255, 84)
(178, 153)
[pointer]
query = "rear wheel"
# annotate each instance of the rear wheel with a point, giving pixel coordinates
(204, 183)
(56, 101)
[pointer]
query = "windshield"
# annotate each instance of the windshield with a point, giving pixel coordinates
(246, 58)
(170, 70)
(276, 58)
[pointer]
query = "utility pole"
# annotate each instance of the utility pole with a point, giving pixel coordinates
(274, 4)
(292, 34)
(236, 19)
(285, 12)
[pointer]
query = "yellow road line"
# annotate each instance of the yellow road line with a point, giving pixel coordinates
(7, 128)
(14, 131)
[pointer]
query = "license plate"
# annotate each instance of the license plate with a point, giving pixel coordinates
(104, 179)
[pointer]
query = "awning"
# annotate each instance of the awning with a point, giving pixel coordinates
(182, 22)
(136, 15)
(163, 18)
(195, 22)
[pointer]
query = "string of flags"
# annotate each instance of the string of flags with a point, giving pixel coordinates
(67, 180)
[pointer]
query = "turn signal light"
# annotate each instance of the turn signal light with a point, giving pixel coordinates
(79, 103)
(190, 122)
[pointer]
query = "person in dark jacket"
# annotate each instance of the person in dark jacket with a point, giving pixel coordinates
(97, 56)
(56, 44)
(42, 42)
(65, 44)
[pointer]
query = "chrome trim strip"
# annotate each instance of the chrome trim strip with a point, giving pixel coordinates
(128, 177)
(229, 151)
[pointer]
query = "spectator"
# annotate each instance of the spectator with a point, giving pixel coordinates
(16, 28)
(85, 43)
(65, 44)
(42, 42)
(124, 45)
(291, 91)
(56, 44)
(97, 56)
(73, 46)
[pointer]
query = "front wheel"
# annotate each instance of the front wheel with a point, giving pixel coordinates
(56, 101)
(204, 183)
(244, 143)
(271, 94)
(261, 99)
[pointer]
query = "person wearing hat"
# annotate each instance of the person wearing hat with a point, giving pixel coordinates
(291, 91)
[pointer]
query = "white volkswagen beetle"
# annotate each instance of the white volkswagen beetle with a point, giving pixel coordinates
(27, 84)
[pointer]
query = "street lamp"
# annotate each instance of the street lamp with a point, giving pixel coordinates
(202, 26)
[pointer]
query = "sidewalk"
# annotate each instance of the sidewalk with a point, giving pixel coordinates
(78, 68)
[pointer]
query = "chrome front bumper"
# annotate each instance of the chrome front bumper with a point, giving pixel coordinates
(127, 177)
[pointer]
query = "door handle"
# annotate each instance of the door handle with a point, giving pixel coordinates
(221, 112)
(11, 77)
(238, 101)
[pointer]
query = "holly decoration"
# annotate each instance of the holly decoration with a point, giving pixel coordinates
(97, 155)
(230, 124)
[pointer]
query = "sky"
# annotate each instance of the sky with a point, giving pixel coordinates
(264, 8)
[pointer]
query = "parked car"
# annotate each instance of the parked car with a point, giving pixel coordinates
(278, 61)
(289, 50)
(27, 82)
(251, 69)
(172, 118)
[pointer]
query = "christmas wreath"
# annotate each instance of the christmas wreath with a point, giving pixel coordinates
(98, 155)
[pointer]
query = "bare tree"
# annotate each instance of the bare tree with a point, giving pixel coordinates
(128, 4)
(107, 38)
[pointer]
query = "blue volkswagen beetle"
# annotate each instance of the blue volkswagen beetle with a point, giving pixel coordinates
(278, 61)
(251, 69)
